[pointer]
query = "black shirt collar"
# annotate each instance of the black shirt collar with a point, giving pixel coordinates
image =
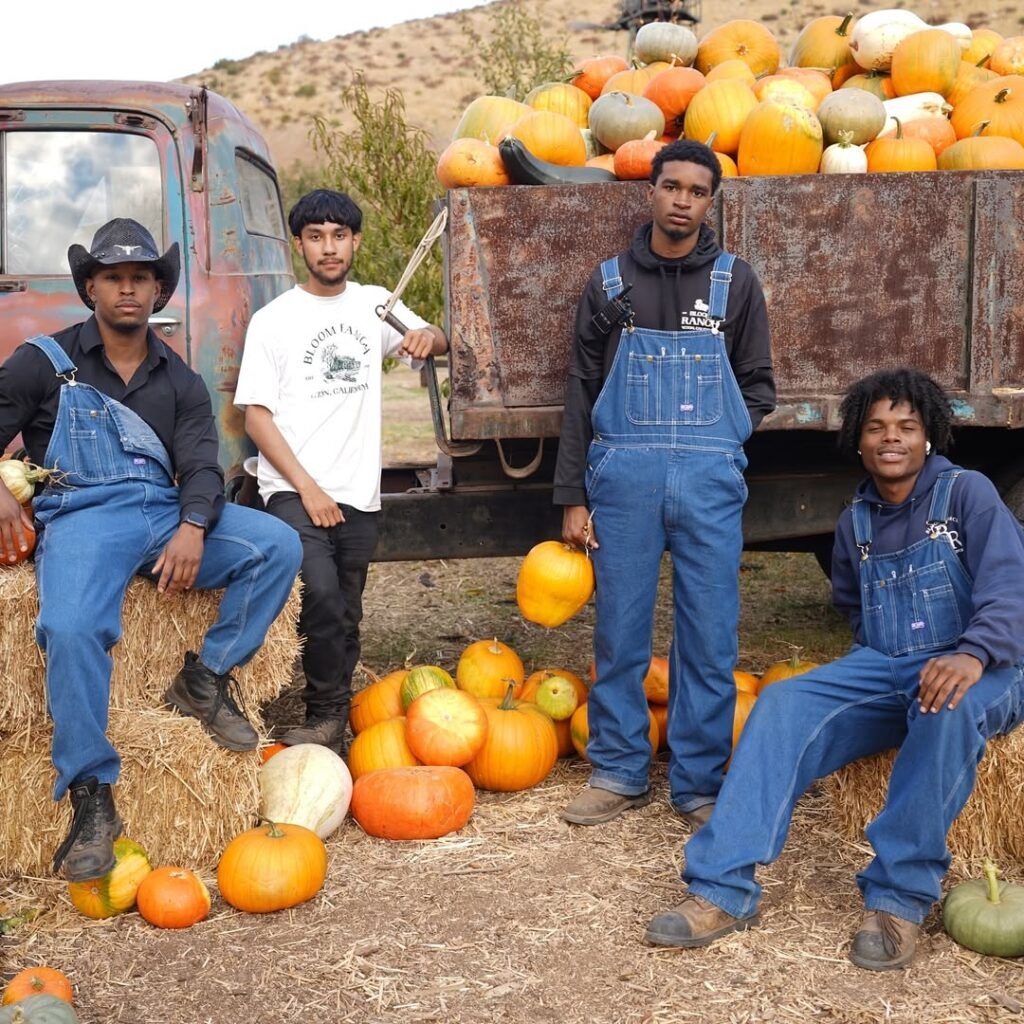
(89, 339)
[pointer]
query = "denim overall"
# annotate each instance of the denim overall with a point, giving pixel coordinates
(112, 512)
(665, 470)
(916, 603)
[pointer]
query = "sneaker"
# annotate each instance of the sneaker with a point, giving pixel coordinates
(697, 818)
(695, 922)
(884, 942)
(88, 850)
(328, 732)
(202, 694)
(594, 806)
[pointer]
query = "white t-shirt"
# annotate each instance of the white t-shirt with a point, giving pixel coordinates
(315, 363)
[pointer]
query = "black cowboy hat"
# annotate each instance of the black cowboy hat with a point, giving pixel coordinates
(122, 240)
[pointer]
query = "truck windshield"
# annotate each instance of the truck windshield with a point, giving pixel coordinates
(57, 188)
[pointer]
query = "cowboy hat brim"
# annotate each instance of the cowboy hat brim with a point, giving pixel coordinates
(167, 270)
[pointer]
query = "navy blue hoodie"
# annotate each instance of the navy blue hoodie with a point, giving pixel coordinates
(993, 556)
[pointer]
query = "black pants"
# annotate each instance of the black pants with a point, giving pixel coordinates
(335, 561)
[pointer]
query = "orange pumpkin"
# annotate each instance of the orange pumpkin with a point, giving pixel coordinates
(579, 727)
(983, 153)
(786, 669)
(999, 103)
(896, 153)
(521, 746)
(1008, 57)
(786, 89)
(634, 159)
(728, 165)
(590, 75)
(377, 702)
(967, 77)
(656, 680)
(817, 83)
(720, 109)
(266, 753)
(172, 897)
(733, 68)
(746, 681)
(780, 138)
(563, 736)
(634, 80)
(471, 163)
(925, 61)
(380, 746)
(744, 705)
(878, 83)
(272, 867)
(445, 727)
(115, 892)
(561, 98)
(936, 131)
(489, 118)
(555, 581)
(606, 161)
(551, 137)
(983, 44)
(528, 692)
(486, 668)
(824, 43)
(671, 91)
(413, 803)
(748, 40)
(660, 713)
(38, 981)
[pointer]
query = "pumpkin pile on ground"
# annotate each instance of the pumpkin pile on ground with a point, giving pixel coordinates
(879, 93)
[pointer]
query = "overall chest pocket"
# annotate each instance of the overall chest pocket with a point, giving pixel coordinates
(936, 618)
(684, 390)
(91, 440)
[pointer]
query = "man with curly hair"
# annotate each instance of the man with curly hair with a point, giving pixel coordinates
(927, 567)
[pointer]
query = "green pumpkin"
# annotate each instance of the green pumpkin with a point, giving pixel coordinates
(986, 915)
(42, 1009)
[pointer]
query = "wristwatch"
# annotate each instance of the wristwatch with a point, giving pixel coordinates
(197, 519)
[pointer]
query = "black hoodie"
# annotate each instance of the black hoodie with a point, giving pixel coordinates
(664, 297)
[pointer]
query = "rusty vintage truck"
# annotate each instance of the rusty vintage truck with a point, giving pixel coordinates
(860, 272)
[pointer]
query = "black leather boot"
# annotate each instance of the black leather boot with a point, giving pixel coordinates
(88, 850)
(202, 694)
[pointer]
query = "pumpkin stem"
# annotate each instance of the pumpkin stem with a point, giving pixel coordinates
(993, 882)
(273, 832)
(710, 140)
(508, 704)
(845, 139)
(984, 60)
(1002, 96)
(899, 128)
(982, 125)
(844, 27)
(495, 647)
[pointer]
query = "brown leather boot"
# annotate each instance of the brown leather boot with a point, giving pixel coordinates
(594, 806)
(695, 922)
(202, 694)
(884, 942)
(698, 817)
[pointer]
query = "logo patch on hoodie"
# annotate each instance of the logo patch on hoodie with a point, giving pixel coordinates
(698, 318)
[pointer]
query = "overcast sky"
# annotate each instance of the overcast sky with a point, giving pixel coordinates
(160, 41)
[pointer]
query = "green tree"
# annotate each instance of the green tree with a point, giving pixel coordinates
(518, 53)
(388, 167)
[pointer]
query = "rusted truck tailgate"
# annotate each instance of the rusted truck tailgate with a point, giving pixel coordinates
(860, 272)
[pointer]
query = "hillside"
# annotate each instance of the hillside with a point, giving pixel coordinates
(428, 60)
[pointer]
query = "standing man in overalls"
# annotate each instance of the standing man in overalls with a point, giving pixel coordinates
(130, 429)
(665, 385)
(927, 567)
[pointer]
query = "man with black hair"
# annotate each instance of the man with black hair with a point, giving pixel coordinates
(665, 385)
(129, 427)
(310, 384)
(927, 566)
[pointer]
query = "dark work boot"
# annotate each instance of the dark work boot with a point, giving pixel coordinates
(884, 942)
(328, 732)
(202, 694)
(88, 850)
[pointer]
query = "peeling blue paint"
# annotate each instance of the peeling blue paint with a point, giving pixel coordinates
(962, 410)
(805, 412)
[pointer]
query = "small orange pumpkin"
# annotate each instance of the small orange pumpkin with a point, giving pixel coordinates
(786, 669)
(746, 681)
(413, 803)
(634, 159)
(486, 668)
(936, 131)
(382, 745)
(656, 681)
(590, 75)
(38, 981)
(445, 727)
(555, 581)
(660, 713)
(378, 702)
(983, 44)
(471, 163)
(733, 68)
(266, 753)
(173, 897)
(925, 61)
(748, 40)
(1008, 57)
(896, 153)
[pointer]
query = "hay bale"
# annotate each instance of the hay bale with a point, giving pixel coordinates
(180, 795)
(989, 824)
(157, 630)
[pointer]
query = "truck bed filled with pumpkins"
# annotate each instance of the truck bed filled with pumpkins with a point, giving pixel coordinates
(873, 181)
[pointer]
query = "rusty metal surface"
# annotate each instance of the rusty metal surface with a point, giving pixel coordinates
(860, 272)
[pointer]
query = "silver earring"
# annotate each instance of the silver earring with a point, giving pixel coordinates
(927, 448)
(859, 452)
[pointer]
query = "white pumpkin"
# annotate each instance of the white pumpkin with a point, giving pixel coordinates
(912, 108)
(843, 157)
(307, 785)
(663, 40)
(876, 34)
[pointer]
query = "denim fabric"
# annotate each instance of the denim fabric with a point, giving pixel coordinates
(806, 727)
(106, 520)
(665, 471)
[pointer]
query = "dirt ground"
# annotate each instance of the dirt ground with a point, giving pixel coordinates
(519, 917)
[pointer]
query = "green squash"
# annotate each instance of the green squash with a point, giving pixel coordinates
(986, 915)
(42, 1009)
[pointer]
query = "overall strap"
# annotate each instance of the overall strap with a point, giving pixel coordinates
(611, 282)
(860, 512)
(938, 511)
(721, 275)
(57, 356)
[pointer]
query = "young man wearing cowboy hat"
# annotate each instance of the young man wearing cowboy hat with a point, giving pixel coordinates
(130, 428)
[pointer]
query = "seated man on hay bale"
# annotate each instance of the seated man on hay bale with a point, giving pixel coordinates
(129, 429)
(927, 567)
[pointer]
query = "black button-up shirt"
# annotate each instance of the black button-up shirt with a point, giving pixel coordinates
(165, 392)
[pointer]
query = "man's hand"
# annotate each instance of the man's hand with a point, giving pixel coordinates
(945, 680)
(178, 564)
(321, 508)
(13, 520)
(577, 527)
(419, 343)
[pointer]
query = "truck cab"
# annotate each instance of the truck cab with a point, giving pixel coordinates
(182, 161)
